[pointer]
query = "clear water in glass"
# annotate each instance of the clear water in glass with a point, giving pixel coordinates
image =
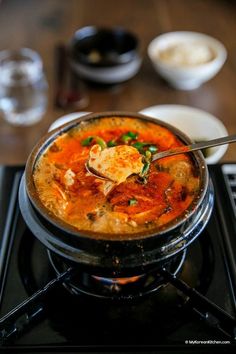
(23, 87)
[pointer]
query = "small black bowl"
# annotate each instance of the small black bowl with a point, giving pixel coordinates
(104, 55)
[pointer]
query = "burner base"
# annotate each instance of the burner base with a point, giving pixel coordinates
(125, 288)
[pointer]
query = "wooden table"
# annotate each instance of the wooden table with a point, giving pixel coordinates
(41, 25)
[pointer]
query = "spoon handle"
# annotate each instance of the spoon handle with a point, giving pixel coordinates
(196, 146)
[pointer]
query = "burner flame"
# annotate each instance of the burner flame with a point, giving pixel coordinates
(118, 281)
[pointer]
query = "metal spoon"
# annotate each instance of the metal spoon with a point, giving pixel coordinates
(196, 146)
(176, 151)
(95, 173)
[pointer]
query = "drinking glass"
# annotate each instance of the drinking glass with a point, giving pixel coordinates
(23, 87)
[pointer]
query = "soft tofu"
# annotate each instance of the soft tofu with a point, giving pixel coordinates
(116, 163)
(69, 177)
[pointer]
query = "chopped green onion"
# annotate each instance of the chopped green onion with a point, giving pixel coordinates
(111, 143)
(140, 147)
(125, 138)
(133, 201)
(152, 148)
(100, 142)
(87, 141)
(132, 135)
(145, 169)
(129, 136)
(148, 155)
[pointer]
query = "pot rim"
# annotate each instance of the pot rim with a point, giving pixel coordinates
(49, 137)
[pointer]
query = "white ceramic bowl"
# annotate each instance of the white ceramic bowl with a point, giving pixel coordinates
(194, 59)
(196, 123)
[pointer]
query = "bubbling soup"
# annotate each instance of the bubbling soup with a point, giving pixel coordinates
(152, 199)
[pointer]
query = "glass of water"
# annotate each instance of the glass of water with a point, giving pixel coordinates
(23, 87)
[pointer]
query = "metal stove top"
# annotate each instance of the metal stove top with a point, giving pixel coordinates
(175, 318)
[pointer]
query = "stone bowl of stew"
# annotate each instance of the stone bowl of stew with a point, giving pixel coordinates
(126, 228)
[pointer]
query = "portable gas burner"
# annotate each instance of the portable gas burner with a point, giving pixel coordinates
(47, 304)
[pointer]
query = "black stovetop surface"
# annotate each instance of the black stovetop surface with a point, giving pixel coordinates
(160, 322)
